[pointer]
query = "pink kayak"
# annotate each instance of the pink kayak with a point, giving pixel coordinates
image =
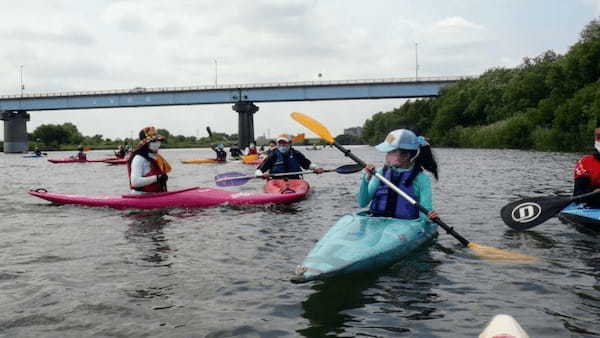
(187, 198)
(116, 161)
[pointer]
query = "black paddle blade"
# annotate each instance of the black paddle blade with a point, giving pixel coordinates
(349, 169)
(209, 132)
(529, 212)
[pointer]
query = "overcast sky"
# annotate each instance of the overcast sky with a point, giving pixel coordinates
(69, 45)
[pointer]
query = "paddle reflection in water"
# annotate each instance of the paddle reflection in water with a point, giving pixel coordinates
(398, 296)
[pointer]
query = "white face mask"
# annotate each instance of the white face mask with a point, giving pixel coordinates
(597, 145)
(153, 146)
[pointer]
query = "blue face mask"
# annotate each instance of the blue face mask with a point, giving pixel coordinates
(283, 149)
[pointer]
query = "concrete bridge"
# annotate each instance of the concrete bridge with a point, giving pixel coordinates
(14, 108)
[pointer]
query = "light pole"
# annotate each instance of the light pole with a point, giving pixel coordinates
(416, 61)
(21, 77)
(216, 71)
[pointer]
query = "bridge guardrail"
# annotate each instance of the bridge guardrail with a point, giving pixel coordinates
(144, 90)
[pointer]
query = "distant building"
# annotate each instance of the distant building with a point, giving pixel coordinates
(354, 131)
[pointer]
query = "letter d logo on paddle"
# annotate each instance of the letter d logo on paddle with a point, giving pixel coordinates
(526, 212)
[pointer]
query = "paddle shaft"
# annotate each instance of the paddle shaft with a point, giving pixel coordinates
(272, 175)
(424, 210)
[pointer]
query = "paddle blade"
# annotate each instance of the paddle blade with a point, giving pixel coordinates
(314, 125)
(209, 132)
(496, 254)
(529, 212)
(232, 179)
(349, 169)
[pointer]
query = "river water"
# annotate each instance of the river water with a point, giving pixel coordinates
(69, 271)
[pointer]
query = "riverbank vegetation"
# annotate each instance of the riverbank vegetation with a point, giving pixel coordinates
(550, 102)
(66, 136)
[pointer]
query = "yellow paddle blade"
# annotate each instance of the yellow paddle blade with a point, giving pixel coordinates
(496, 254)
(298, 138)
(87, 148)
(314, 125)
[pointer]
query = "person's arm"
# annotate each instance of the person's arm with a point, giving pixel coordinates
(422, 188)
(139, 167)
(367, 189)
(265, 166)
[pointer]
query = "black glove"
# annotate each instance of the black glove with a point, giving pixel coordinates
(162, 178)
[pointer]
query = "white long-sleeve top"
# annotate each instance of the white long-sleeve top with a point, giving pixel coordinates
(140, 167)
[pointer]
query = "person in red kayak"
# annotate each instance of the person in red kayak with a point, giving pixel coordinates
(406, 156)
(80, 154)
(587, 174)
(251, 150)
(147, 169)
(285, 159)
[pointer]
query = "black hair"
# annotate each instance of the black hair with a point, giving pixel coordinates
(425, 160)
(142, 151)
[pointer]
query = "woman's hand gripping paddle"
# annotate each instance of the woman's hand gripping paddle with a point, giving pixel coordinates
(235, 179)
(528, 212)
(482, 251)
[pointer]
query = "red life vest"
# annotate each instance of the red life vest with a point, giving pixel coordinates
(252, 151)
(154, 170)
(588, 166)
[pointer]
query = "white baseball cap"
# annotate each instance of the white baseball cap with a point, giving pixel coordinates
(401, 139)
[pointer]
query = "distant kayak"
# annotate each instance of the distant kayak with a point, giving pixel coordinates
(580, 215)
(503, 326)
(202, 161)
(186, 198)
(359, 243)
(252, 159)
(76, 160)
(32, 156)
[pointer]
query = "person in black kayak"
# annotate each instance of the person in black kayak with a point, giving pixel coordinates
(285, 159)
(221, 153)
(235, 152)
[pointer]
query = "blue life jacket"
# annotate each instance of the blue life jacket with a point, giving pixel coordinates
(285, 163)
(387, 203)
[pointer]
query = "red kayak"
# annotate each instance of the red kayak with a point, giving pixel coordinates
(186, 198)
(287, 187)
(76, 160)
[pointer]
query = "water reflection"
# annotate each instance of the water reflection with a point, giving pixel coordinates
(404, 290)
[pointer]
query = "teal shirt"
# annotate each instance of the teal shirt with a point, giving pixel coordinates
(421, 186)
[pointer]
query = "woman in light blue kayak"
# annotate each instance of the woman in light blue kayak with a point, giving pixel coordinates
(406, 156)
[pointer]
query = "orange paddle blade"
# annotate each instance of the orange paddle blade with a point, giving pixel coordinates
(496, 254)
(314, 125)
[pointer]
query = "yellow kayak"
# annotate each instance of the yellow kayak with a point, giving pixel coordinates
(251, 159)
(201, 161)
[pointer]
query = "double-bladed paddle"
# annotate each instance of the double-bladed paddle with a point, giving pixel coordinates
(234, 178)
(529, 212)
(481, 250)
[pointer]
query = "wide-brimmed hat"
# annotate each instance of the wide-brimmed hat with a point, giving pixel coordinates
(401, 139)
(147, 135)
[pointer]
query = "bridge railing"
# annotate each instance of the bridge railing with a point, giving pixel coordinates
(143, 90)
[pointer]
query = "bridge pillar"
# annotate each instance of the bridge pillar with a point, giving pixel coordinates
(245, 110)
(15, 131)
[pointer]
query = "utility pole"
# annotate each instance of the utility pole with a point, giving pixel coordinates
(216, 71)
(22, 85)
(416, 61)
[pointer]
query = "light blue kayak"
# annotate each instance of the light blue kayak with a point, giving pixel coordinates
(580, 215)
(358, 243)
